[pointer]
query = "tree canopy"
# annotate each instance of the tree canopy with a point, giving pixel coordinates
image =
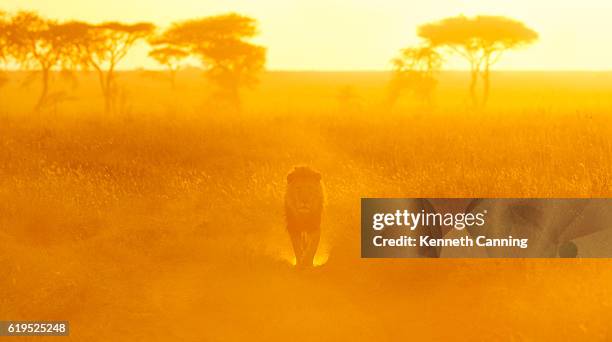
(414, 70)
(4, 38)
(481, 33)
(38, 43)
(481, 40)
(203, 31)
(221, 43)
(170, 57)
(103, 46)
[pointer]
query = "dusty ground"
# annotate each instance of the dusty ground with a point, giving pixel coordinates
(164, 222)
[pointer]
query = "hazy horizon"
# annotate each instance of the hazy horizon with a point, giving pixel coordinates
(200, 68)
(349, 35)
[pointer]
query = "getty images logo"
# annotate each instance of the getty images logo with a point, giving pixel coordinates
(412, 220)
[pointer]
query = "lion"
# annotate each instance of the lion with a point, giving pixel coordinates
(303, 209)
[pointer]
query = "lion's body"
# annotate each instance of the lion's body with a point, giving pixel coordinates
(303, 209)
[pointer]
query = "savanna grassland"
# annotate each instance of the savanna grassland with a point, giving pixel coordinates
(164, 221)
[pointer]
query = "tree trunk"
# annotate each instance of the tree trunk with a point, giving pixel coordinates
(473, 84)
(107, 104)
(109, 107)
(45, 89)
(102, 79)
(107, 98)
(106, 86)
(486, 79)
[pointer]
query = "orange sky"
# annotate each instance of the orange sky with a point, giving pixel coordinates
(365, 34)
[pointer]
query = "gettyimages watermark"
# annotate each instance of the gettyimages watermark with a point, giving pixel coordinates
(481, 228)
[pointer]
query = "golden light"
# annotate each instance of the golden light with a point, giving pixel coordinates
(364, 35)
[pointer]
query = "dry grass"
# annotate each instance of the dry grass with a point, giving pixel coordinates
(164, 222)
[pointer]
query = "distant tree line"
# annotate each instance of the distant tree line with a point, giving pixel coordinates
(232, 62)
(221, 43)
(480, 40)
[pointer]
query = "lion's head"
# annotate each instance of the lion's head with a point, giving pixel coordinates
(304, 192)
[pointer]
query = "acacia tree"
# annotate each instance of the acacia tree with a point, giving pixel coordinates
(481, 40)
(5, 44)
(38, 43)
(221, 44)
(415, 70)
(102, 47)
(170, 57)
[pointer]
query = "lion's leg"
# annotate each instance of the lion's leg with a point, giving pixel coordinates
(296, 242)
(312, 244)
(302, 260)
